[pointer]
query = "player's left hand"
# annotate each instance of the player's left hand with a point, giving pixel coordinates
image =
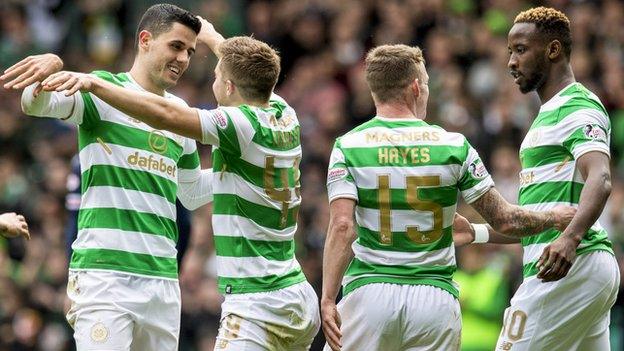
(71, 82)
(557, 259)
(331, 324)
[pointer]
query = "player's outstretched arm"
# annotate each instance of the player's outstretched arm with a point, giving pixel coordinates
(465, 233)
(557, 257)
(515, 221)
(336, 257)
(12, 225)
(209, 36)
(150, 108)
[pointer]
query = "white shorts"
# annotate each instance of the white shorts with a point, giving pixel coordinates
(389, 317)
(285, 319)
(569, 314)
(116, 311)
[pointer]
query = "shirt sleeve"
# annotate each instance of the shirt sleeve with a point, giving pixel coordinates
(474, 179)
(587, 130)
(340, 183)
(53, 104)
(226, 128)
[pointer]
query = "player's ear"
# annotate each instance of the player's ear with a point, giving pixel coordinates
(144, 38)
(229, 87)
(415, 87)
(554, 49)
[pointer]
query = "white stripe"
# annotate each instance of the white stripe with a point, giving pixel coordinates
(256, 155)
(188, 175)
(400, 219)
(532, 252)
(120, 156)
(442, 257)
(128, 241)
(125, 199)
(237, 226)
(245, 267)
(229, 183)
(263, 118)
(556, 101)
(545, 206)
(110, 114)
(367, 177)
(558, 133)
(554, 172)
(384, 136)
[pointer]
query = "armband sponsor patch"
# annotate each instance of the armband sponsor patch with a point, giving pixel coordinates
(593, 131)
(336, 174)
(220, 119)
(477, 169)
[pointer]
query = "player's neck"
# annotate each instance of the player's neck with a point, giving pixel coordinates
(393, 110)
(558, 79)
(141, 77)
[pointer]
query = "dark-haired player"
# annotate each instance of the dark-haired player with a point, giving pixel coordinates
(565, 160)
(123, 281)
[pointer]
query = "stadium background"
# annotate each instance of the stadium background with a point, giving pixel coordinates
(322, 43)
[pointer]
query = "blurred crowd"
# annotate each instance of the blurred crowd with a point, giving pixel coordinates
(322, 45)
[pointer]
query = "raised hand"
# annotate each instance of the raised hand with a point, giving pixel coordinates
(12, 225)
(463, 233)
(71, 82)
(209, 35)
(30, 70)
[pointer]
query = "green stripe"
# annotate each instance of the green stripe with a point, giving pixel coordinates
(237, 246)
(442, 195)
(112, 218)
(249, 172)
(544, 155)
(124, 261)
(90, 115)
(118, 134)
(228, 139)
(401, 274)
(530, 269)
(550, 192)
(546, 236)
(578, 138)
(443, 284)
(551, 118)
(591, 237)
(406, 156)
(189, 161)
(259, 284)
(401, 242)
(359, 267)
(117, 79)
(104, 175)
(267, 137)
(229, 204)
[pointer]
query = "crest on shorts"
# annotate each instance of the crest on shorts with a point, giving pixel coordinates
(99, 332)
(477, 169)
(593, 131)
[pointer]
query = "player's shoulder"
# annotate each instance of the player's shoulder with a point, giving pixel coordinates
(115, 78)
(378, 130)
(579, 99)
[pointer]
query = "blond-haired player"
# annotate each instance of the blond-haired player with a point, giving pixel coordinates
(268, 304)
(393, 184)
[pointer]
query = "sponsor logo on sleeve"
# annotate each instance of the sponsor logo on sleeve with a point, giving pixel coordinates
(477, 170)
(593, 131)
(336, 174)
(220, 119)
